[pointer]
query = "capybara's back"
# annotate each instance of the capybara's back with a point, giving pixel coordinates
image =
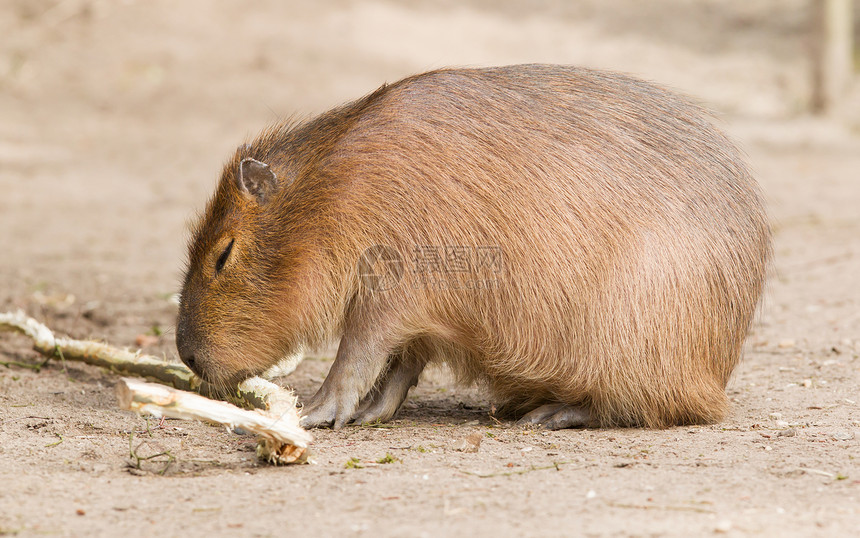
(629, 248)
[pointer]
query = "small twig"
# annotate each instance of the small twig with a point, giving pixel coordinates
(58, 350)
(49, 445)
(664, 507)
(380, 425)
(35, 367)
(555, 465)
(139, 459)
(816, 471)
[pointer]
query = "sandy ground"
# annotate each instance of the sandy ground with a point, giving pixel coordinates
(115, 118)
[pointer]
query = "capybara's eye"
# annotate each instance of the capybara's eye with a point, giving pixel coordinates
(222, 259)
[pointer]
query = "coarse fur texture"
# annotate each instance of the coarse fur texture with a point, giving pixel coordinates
(633, 246)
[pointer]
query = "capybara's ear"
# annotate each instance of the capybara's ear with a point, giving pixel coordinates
(256, 180)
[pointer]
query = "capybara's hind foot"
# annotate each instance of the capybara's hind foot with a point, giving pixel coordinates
(557, 416)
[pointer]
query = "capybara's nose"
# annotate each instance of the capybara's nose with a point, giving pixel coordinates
(184, 345)
(189, 362)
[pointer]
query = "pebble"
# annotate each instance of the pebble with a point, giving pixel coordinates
(146, 340)
(842, 436)
(471, 443)
(591, 494)
(806, 383)
(791, 432)
(788, 342)
(776, 416)
(781, 424)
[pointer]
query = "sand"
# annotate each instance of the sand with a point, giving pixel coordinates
(116, 119)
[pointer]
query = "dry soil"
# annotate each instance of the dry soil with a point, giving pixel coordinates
(115, 117)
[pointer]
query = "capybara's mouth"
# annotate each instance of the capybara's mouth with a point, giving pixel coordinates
(227, 382)
(196, 371)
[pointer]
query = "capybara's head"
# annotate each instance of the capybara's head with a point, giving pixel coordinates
(234, 307)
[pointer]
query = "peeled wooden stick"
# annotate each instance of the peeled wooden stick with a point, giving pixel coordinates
(282, 439)
(98, 354)
(254, 392)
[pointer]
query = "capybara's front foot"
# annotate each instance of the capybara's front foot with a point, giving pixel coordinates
(360, 359)
(557, 416)
(328, 408)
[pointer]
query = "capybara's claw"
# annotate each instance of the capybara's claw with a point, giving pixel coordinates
(316, 418)
(326, 409)
(319, 411)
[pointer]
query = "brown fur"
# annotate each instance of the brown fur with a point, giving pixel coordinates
(634, 238)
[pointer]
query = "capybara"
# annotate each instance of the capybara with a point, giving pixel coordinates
(586, 245)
